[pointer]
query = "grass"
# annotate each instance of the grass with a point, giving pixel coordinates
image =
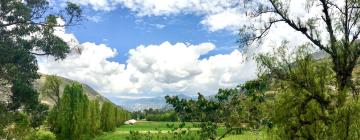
(150, 126)
(145, 127)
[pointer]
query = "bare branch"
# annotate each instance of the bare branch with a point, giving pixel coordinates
(300, 28)
(266, 29)
(328, 22)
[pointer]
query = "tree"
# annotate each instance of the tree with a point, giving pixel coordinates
(38, 115)
(238, 109)
(73, 119)
(27, 30)
(24, 96)
(108, 121)
(95, 117)
(305, 104)
(340, 21)
(51, 88)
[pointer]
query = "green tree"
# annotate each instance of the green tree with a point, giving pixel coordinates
(38, 115)
(73, 120)
(305, 104)
(95, 117)
(26, 29)
(239, 108)
(51, 88)
(340, 21)
(108, 120)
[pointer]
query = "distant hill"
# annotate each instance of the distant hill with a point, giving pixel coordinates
(90, 92)
(145, 103)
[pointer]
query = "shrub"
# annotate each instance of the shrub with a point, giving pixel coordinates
(42, 135)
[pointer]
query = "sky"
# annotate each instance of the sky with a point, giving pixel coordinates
(152, 48)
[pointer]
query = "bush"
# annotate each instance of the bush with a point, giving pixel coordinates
(42, 135)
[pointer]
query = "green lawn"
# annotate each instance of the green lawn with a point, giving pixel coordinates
(150, 126)
(154, 127)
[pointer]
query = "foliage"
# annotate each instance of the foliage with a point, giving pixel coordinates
(51, 88)
(94, 120)
(315, 99)
(156, 115)
(26, 98)
(23, 96)
(108, 122)
(38, 115)
(335, 33)
(41, 135)
(76, 117)
(238, 109)
(27, 30)
(169, 116)
(172, 135)
(307, 104)
(72, 121)
(19, 126)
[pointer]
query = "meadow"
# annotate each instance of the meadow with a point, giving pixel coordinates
(160, 130)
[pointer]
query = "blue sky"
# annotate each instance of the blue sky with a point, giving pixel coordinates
(152, 48)
(123, 29)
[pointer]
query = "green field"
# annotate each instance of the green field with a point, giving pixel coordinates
(146, 127)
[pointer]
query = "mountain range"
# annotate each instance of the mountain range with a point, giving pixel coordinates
(145, 103)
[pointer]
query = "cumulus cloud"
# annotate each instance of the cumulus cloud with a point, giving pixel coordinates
(152, 70)
(171, 68)
(217, 14)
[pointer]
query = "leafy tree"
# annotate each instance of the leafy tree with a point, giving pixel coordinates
(26, 29)
(238, 109)
(108, 121)
(340, 21)
(73, 122)
(51, 88)
(305, 104)
(38, 115)
(23, 96)
(95, 117)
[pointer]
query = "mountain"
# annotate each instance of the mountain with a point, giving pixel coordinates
(90, 92)
(145, 103)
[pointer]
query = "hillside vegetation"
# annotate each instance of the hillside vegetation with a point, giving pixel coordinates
(88, 91)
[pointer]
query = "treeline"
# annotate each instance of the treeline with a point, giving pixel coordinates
(75, 117)
(156, 115)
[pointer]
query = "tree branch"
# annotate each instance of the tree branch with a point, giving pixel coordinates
(328, 23)
(227, 132)
(303, 30)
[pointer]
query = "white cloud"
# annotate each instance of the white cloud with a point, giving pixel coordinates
(152, 70)
(218, 14)
(98, 5)
(172, 68)
(229, 19)
(95, 19)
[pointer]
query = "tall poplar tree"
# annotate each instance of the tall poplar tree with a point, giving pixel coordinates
(73, 117)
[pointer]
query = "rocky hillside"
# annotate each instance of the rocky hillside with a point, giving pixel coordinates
(90, 92)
